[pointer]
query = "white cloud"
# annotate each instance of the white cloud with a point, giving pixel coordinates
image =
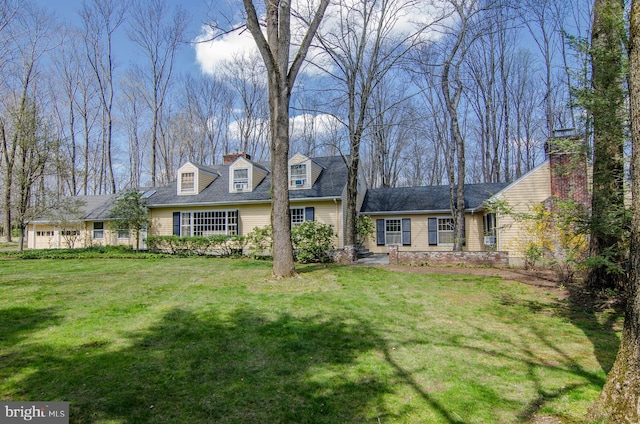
(212, 52)
(319, 125)
(409, 15)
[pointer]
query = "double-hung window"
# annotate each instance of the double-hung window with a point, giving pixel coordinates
(298, 175)
(187, 182)
(300, 215)
(393, 232)
(441, 231)
(240, 179)
(297, 216)
(98, 230)
(489, 229)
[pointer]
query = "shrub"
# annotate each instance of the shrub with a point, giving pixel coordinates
(260, 241)
(220, 245)
(103, 252)
(312, 242)
(364, 228)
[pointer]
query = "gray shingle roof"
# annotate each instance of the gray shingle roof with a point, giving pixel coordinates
(90, 208)
(425, 199)
(330, 183)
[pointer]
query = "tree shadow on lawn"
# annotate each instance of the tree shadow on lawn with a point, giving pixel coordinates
(18, 322)
(203, 368)
(584, 309)
(583, 316)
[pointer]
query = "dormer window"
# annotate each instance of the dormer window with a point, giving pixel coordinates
(241, 179)
(187, 182)
(192, 179)
(298, 175)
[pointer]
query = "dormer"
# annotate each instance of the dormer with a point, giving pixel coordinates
(244, 175)
(303, 172)
(192, 179)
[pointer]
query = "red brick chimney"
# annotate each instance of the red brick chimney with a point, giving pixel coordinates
(229, 158)
(568, 165)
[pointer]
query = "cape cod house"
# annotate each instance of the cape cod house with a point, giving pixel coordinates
(234, 198)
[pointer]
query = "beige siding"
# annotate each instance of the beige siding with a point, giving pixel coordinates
(474, 232)
(257, 175)
(531, 189)
(298, 158)
(204, 179)
(252, 216)
(316, 170)
(161, 220)
(44, 236)
(420, 233)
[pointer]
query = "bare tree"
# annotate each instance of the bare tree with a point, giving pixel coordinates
(245, 74)
(387, 135)
(469, 16)
(363, 46)
(543, 19)
(159, 36)
(524, 93)
(30, 33)
(101, 19)
(281, 75)
(208, 101)
(133, 108)
(34, 145)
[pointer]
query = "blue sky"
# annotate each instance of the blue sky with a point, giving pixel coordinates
(66, 11)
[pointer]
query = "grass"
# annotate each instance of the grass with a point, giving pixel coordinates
(201, 340)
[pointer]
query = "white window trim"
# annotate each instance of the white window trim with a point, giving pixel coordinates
(95, 231)
(449, 217)
(304, 216)
(234, 184)
(195, 183)
(292, 180)
(386, 234)
(190, 225)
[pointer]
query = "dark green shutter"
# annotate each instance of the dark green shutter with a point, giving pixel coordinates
(433, 231)
(176, 223)
(406, 231)
(380, 232)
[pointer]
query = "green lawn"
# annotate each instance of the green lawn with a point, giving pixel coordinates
(198, 340)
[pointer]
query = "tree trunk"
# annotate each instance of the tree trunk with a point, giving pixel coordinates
(283, 264)
(619, 401)
(274, 50)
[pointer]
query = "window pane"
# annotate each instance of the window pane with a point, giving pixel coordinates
(185, 224)
(240, 179)
(298, 175)
(445, 230)
(297, 216)
(393, 229)
(187, 181)
(240, 174)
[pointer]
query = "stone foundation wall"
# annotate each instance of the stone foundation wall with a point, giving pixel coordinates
(348, 255)
(493, 259)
